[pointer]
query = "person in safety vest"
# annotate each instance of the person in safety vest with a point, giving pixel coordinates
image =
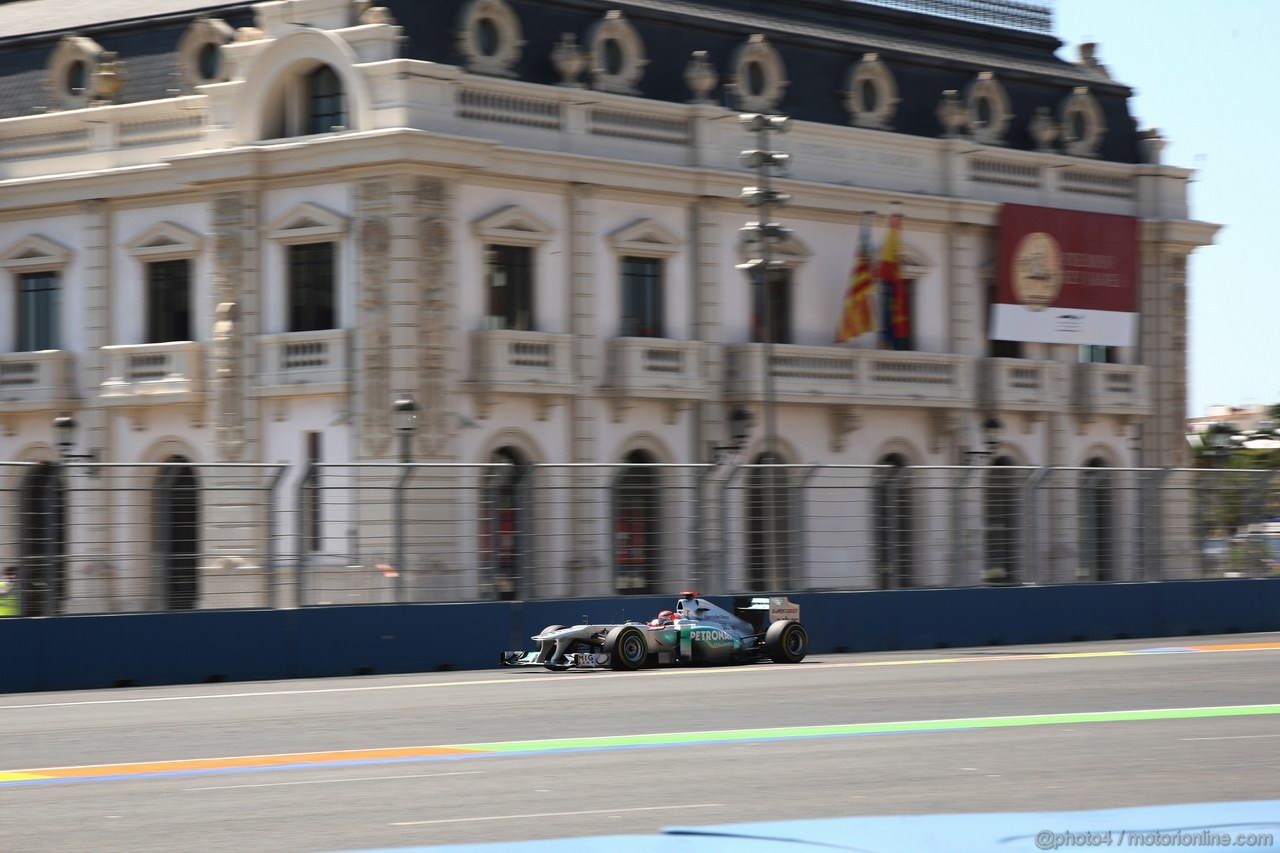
(9, 604)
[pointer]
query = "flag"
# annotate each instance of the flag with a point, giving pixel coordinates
(896, 324)
(858, 316)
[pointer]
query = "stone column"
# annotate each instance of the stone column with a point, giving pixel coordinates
(92, 531)
(372, 339)
(587, 564)
(233, 512)
(439, 557)
(708, 420)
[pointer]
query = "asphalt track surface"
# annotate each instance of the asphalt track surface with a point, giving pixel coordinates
(342, 764)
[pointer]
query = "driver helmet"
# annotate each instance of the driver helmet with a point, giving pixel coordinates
(664, 618)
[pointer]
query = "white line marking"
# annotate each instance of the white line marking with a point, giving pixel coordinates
(330, 781)
(555, 814)
(1228, 737)
(560, 679)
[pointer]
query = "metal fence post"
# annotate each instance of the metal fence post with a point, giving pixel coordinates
(1032, 521)
(802, 547)
(302, 561)
(958, 532)
(269, 557)
(406, 473)
(723, 508)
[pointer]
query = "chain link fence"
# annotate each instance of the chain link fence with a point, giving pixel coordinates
(84, 538)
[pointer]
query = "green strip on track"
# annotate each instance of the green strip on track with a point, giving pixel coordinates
(672, 738)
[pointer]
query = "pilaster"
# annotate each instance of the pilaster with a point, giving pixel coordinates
(437, 327)
(373, 331)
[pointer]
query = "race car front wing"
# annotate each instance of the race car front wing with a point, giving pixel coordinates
(577, 660)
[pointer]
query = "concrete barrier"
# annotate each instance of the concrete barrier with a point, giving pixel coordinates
(77, 652)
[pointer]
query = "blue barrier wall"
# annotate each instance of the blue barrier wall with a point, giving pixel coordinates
(75, 652)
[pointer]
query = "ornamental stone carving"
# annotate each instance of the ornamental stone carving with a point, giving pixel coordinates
(1044, 130)
(570, 60)
(228, 345)
(872, 94)
(700, 76)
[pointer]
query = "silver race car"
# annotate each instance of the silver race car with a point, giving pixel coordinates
(696, 632)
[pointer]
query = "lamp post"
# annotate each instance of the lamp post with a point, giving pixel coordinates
(65, 427)
(404, 419)
(740, 423)
(991, 440)
(760, 238)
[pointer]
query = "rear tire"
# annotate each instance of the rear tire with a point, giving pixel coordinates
(627, 647)
(547, 648)
(786, 642)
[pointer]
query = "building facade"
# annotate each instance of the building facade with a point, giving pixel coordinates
(235, 233)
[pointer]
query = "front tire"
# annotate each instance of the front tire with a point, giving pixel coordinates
(786, 642)
(627, 648)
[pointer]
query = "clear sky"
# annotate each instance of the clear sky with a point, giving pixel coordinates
(1207, 73)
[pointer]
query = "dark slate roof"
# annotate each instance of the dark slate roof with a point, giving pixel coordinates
(148, 46)
(28, 17)
(819, 40)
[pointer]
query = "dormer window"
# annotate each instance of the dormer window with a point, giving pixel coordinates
(309, 102)
(325, 110)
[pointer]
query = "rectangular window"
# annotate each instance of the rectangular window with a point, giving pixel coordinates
(777, 313)
(999, 349)
(642, 298)
(38, 311)
(510, 273)
(311, 493)
(1098, 354)
(168, 301)
(311, 291)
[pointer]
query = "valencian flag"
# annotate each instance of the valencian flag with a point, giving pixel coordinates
(895, 325)
(859, 316)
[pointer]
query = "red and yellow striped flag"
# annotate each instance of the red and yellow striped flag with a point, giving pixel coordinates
(858, 316)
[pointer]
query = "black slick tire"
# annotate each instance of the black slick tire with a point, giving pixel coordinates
(786, 642)
(627, 648)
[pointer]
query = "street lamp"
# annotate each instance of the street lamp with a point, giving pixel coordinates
(991, 440)
(65, 427)
(740, 423)
(404, 418)
(760, 238)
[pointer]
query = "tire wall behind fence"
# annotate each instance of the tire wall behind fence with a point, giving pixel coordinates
(76, 652)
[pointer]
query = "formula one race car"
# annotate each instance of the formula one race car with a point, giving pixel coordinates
(697, 632)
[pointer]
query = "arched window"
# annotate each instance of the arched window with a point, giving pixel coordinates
(308, 100)
(505, 531)
(637, 526)
(177, 534)
(42, 542)
(770, 524)
(324, 102)
(1097, 536)
(1002, 507)
(895, 558)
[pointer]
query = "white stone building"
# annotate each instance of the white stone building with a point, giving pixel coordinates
(235, 233)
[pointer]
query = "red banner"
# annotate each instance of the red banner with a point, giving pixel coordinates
(1066, 277)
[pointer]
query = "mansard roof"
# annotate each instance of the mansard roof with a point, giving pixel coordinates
(818, 42)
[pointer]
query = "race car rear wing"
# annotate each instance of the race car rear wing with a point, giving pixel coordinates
(763, 611)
